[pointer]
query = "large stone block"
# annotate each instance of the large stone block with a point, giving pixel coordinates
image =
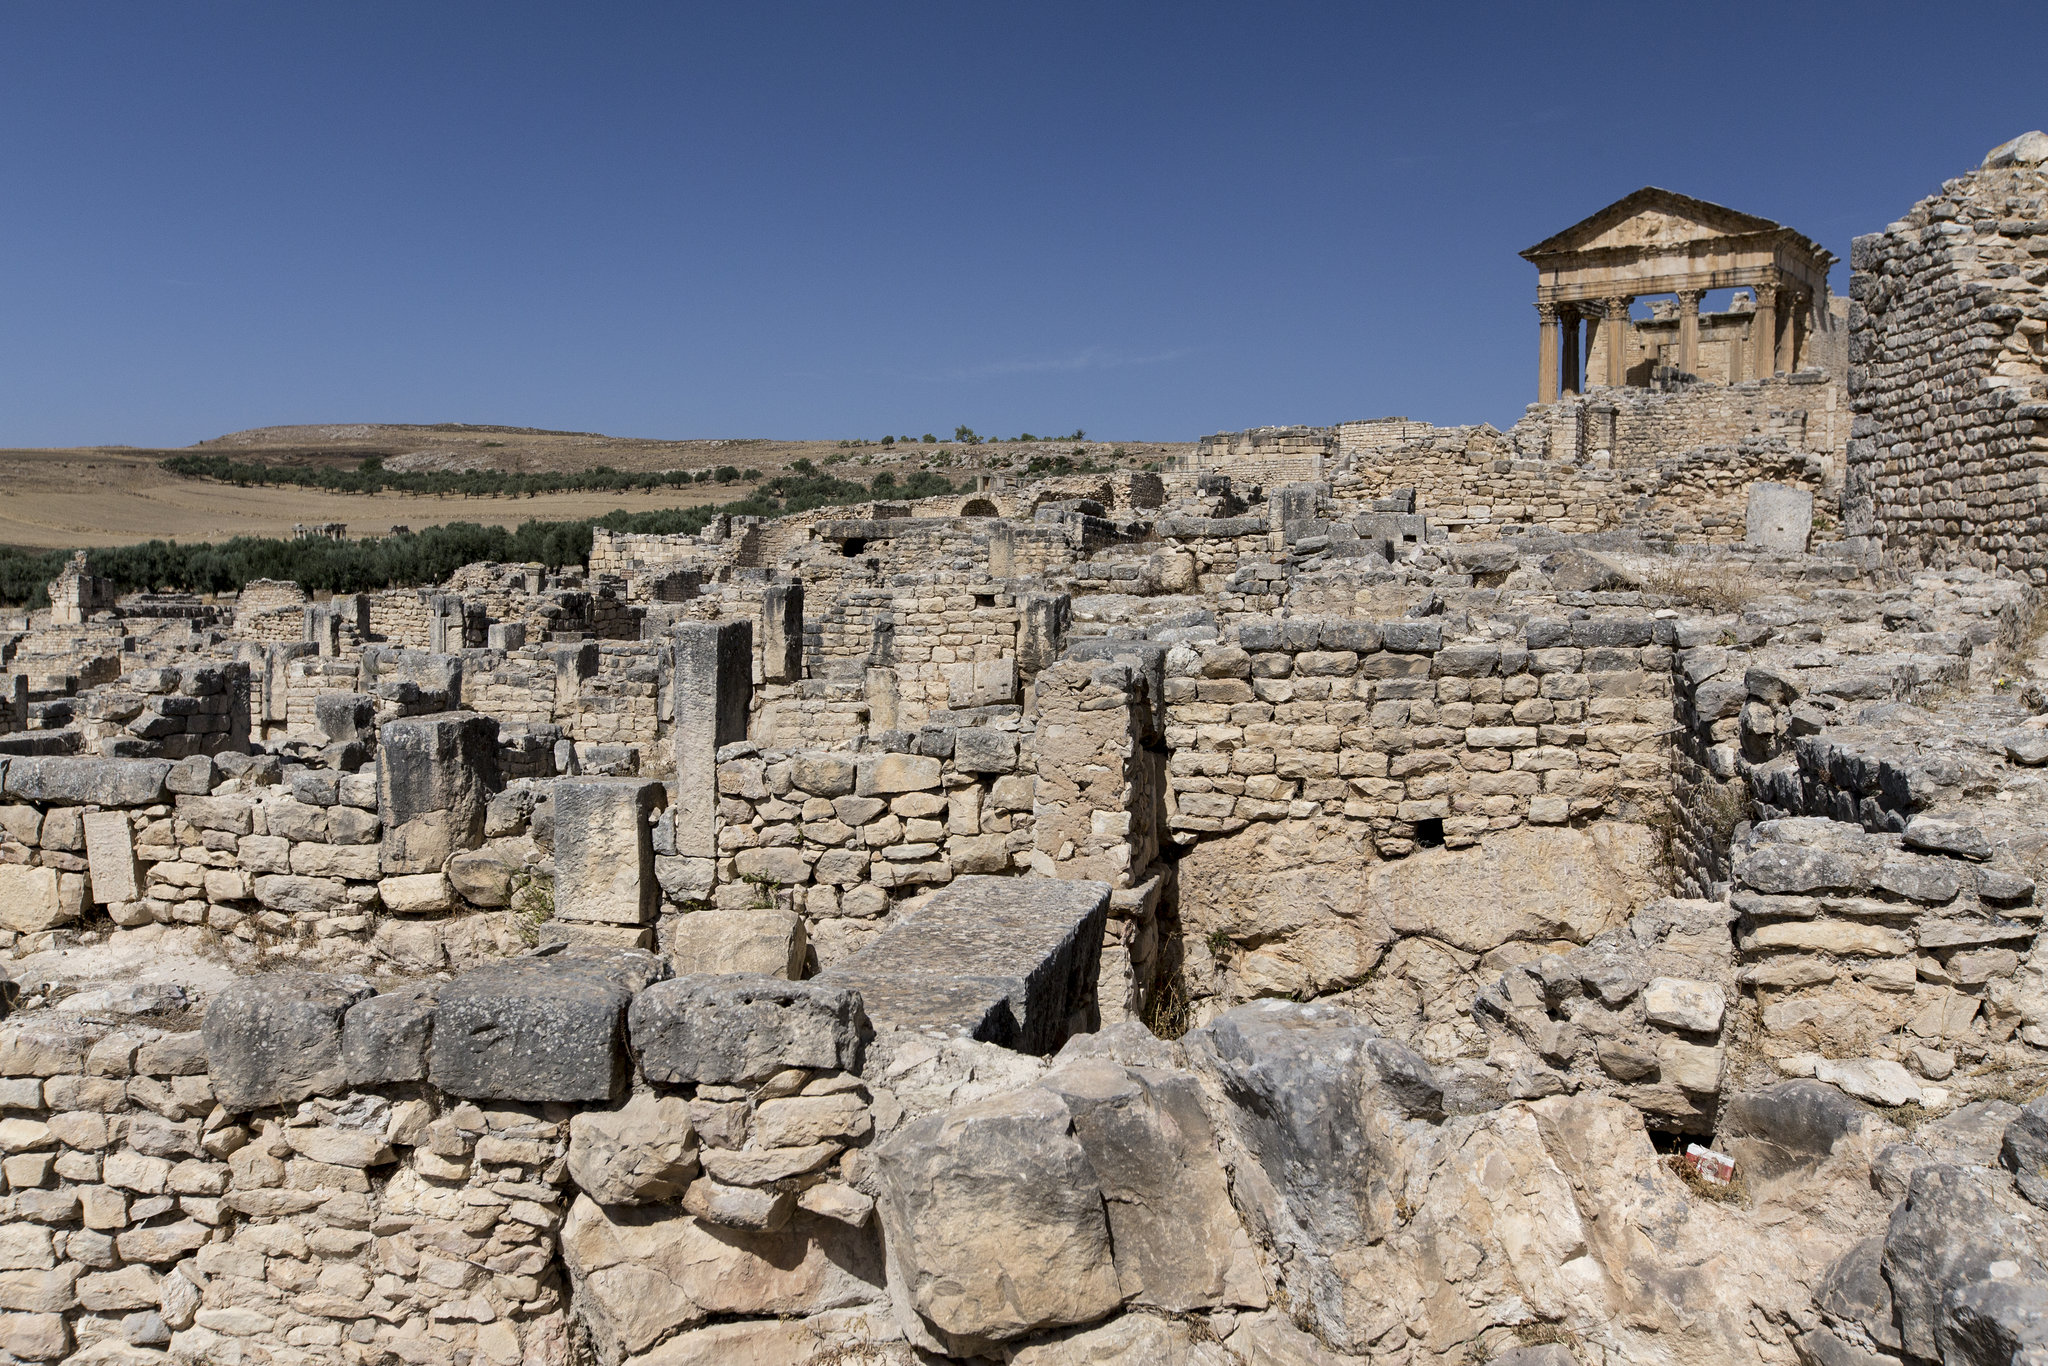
(883, 775)
(1780, 517)
(1178, 1243)
(538, 1029)
(641, 1153)
(276, 1039)
(384, 1039)
(782, 631)
(110, 854)
(62, 780)
(994, 1220)
(604, 849)
(744, 1027)
(712, 681)
(1005, 960)
(435, 776)
(766, 940)
(32, 899)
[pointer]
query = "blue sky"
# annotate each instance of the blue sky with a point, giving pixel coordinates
(830, 220)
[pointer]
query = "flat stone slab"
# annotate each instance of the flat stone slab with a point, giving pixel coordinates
(67, 781)
(1006, 960)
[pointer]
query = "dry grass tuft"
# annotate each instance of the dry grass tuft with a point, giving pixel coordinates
(1723, 590)
(1736, 1192)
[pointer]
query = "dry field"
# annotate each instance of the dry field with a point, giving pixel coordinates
(55, 499)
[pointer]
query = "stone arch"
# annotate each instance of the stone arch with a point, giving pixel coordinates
(978, 507)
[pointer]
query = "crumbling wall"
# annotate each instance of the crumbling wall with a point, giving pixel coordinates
(1948, 342)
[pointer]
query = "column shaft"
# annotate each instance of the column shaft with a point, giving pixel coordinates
(1546, 353)
(1616, 328)
(1571, 383)
(1764, 333)
(1689, 330)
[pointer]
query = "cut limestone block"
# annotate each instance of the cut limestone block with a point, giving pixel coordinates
(538, 1029)
(1005, 960)
(435, 776)
(110, 854)
(276, 1039)
(740, 1028)
(604, 849)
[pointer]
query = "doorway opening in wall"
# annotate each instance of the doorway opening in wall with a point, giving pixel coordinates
(852, 546)
(978, 507)
(1429, 834)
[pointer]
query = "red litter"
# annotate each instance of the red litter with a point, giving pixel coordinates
(1718, 1168)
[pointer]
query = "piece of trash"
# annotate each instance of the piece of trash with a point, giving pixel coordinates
(1718, 1168)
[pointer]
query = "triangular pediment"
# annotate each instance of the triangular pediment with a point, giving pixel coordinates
(1652, 218)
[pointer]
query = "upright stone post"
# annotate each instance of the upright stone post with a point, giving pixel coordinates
(1002, 550)
(435, 774)
(1689, 330)
(1764, 333)
(1616, 330)
(1546, 352)
(885, 705)
(713, 690)
(604, 850)
(1041, 630)
(1570, 382)
(782, 631)
(573, 664)
(437, 625)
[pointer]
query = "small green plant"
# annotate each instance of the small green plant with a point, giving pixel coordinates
(533, 906)
(1219, 943)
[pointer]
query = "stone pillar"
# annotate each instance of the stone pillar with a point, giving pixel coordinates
(1787, 358)
(782, 631)
(880, 687)
(604, 849)
(1763, 340)
(1042, 620)
(1002, 550)
(1546, 353)
(1616, 329)
(1689, 330)
(435, 774)
(1570, 381)
(573, 664)
(714, 687)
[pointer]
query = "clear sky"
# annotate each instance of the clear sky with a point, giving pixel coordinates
(832, 220)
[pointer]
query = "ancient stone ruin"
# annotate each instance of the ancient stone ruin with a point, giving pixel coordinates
(1381, 893)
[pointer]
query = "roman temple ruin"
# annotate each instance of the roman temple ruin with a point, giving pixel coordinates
(1378, 892)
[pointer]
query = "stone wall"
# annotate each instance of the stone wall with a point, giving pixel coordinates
(1949, 339)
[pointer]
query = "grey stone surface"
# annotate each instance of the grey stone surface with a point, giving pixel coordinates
(712, 680)
(2024, 1151)
(782, 631)
(275, 1039)
(743, 1027)
(384, 1039)
(1176, 1236)
(604, 849)
(1780, 517)
(1310, 1089)
(1947, 1234)
(539, 1029)
(1005, 960)
(435, 777)
(62, 780)
(1004, 1173)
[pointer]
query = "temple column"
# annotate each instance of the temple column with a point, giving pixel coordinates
(1616, 328)
(1689, 330)
(1546, 352)
(1788, 336)
(1570, 381)
(1764, 333)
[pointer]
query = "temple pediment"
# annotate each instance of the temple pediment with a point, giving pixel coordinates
(1655, 219)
